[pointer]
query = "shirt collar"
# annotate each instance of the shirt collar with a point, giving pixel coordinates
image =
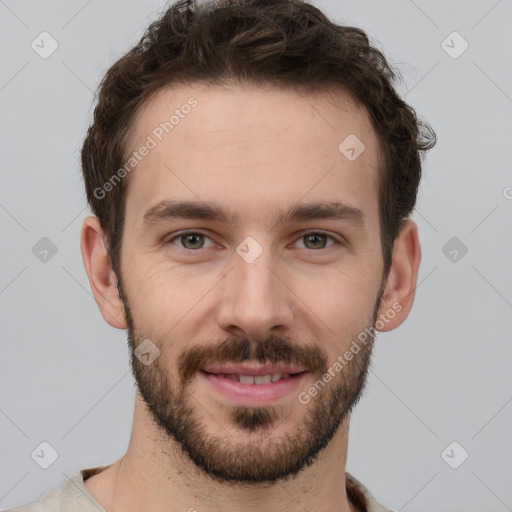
(76, 496)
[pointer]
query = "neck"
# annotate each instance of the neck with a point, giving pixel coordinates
(155, 475)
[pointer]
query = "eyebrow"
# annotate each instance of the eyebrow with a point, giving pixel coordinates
(167, 210)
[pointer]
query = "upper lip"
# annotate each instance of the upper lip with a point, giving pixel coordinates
(253, 369)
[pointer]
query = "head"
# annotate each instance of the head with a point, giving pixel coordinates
(275, 138)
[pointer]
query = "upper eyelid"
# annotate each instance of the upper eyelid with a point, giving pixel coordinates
(298, 235)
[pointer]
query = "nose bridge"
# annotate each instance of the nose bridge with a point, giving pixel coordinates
(255, 299)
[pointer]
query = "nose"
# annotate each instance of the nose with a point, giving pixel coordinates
(256, 299)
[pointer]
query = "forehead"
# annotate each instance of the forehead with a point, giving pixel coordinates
(253, 149)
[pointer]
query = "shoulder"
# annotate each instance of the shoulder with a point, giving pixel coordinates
(73, 496)
(361, 496)
(48, 502)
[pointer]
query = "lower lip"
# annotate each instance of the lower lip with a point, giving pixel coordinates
(253, 394)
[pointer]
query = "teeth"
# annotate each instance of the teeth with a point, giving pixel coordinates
(260, 379)
(263, 379)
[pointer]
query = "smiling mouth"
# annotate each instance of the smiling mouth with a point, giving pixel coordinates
(255, 379)
(253, 385)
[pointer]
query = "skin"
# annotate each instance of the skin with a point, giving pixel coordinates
(255, 150)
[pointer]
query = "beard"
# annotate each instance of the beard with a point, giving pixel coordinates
(260, 457)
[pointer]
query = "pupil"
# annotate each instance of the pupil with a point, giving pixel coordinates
(191, 237)
(314, 236)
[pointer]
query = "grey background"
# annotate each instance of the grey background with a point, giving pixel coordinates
(443, 376)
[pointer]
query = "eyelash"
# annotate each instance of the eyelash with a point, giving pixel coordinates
(302, 235)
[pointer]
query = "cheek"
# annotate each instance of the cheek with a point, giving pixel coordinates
(341, 304)
(152, 293)
(167, 299)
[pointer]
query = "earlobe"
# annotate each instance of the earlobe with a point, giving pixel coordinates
(102, 278)
(400, 288)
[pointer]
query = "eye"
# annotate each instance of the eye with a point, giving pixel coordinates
(316, 240)
(191, 240)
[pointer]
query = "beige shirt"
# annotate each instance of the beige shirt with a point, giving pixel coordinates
(75, 497)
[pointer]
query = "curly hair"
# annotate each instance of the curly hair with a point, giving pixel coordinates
(288, 44)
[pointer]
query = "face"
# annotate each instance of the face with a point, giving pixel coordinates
(250, 263)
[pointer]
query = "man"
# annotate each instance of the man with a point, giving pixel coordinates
(252, 172)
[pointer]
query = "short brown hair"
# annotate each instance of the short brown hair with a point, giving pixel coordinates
(289, 44)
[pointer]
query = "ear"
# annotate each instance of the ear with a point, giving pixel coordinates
(102, 278)
(401, 282)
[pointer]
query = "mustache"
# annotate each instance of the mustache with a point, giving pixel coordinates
(238, 349)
